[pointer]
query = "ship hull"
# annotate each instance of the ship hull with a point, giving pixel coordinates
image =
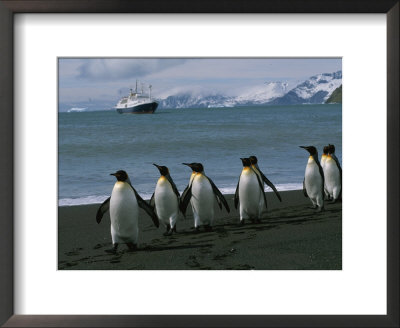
(148, 108)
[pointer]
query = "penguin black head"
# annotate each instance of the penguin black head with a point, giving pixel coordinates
(326, 150)
(120, 175)
(163, 169)
(197, 167)
(246, 161)
(331, 149)
(311, 149)
(253, 160)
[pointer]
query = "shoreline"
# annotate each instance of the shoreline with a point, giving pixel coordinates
(290, 237)
(98, 199)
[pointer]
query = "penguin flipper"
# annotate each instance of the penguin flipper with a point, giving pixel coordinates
(262, 188)
(219, 196)
(185, 198)
(340, 170)
(173, 185)
(337, 163)
(146, 207)
(304, 188)
(236, 199)
(103, 209)
(152, 201)
(321, 172)
(271, 185)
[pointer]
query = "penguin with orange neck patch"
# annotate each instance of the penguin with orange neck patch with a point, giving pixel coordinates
(249, 193)
(313, 183)
(166, 200)
(124, 204)
(201, 192)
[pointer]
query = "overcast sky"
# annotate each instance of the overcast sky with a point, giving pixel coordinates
(109, 79)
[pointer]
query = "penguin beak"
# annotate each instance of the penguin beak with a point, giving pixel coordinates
(114, 174)
(157, 166)
(306, 148)
(187, 164)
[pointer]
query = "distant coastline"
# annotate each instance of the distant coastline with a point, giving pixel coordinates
(315, 90)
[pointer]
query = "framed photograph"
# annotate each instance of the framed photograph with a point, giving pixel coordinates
(198, 115)
(215, 89)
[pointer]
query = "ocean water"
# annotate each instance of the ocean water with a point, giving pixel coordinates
(92, 145)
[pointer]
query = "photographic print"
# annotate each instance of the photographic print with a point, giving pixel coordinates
(199, 164)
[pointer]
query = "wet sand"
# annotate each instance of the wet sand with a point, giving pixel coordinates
(291, 236)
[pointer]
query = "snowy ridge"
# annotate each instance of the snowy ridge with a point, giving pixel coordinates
(315, 90)
(323, 82)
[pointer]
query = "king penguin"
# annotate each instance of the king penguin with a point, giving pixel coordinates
(313, 183)
(166, 200)
(249, 192)
(201, 191)
(324, 156)
(333, 175)
(124, 204)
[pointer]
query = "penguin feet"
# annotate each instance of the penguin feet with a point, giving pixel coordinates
(333, 201)
(196, 229)
(313, 207)
(169, 231)
(174, 229)
(241, 223)
(258, 220)
(112, 250)
(320, 209)
(208, 228)
(131, 246)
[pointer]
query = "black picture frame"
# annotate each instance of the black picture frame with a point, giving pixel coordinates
(10, 7)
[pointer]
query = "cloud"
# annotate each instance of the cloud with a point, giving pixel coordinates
(116, 69)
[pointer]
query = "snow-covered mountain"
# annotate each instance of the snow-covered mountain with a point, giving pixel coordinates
(187, 100)
(315, 90)
(257, 95)
(262, 94)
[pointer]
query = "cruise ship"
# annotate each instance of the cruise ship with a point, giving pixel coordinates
(137, 103)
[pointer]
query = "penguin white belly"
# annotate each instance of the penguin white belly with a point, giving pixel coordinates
(249, 195)
(313, 183)
(124, 214)
(166, 201)
(202, 201)
(332, 178)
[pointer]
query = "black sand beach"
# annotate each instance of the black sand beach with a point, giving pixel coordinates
(291, 236)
